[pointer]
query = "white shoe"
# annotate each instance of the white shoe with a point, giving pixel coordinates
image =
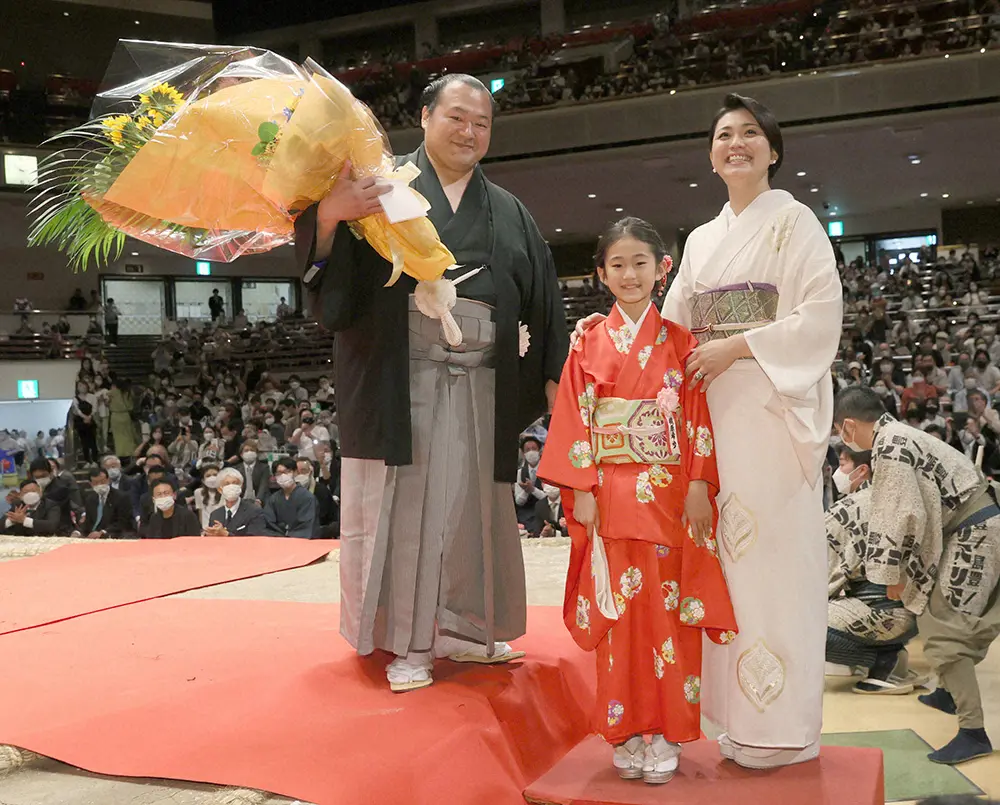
(629, 758)
(466, 651)
(409, 673)
(661, 761)
(755, 757)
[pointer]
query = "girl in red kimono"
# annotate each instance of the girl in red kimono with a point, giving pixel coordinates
(631, 445)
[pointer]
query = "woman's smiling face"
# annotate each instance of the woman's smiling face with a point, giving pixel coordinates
(740, 150)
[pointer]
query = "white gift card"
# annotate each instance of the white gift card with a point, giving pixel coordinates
(402, 203)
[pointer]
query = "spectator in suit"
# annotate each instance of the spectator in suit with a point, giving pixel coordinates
(108, 510)
(30, 514)
(291, 511)
(549, 513)
(327, 519)
(168, 519)
(119, 481)
(238, 516)
(528, 489)
(57, 493)
(256, 474)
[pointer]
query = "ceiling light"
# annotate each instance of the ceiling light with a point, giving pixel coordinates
(782, 64)
(814, 189)
(970, 202)
(947, 55)
(982, 50)
(693, 184)
(800, 174)
(135, 254)
(622, 209)
(673, 92)
(65, 13)
(591, 195)
(558, 230)
(137, 22)
(924, 195)
(944, 195)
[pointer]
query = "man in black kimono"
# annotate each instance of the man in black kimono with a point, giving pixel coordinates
(430, 558)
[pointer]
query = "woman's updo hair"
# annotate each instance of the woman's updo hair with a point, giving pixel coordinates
(630, 227)
(765, 119)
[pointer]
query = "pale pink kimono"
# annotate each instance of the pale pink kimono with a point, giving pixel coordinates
(772, 419)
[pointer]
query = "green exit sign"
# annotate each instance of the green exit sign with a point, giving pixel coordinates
(27, 389)
(835, 229)
(203, 268)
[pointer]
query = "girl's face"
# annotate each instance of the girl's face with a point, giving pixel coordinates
(157, 435)
(630, 270)
(740, 150)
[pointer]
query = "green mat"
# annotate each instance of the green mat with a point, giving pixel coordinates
(908, 772)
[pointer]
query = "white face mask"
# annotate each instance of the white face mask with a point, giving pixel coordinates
(532, 457)
(852, 446)
(249, 457)
(285, 480)
(842, 481)
(30, 499)
(208, 435)
(303, 480)
(164, 504)
(114, 473)
(212, 482)
(232, 492)
(43, 482)
(101, 489)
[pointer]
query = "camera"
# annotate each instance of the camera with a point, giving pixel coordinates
(826, 205)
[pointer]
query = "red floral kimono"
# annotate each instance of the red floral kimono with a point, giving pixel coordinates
(626, 427)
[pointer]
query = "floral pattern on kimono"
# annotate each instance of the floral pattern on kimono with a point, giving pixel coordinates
(667, 590)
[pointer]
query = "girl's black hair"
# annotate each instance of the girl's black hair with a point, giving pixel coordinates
(765, 119)
(630, 227)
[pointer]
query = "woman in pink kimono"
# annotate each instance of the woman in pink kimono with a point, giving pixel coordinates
(758, 287)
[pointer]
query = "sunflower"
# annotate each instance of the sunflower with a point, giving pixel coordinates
(166, 96)
(157, 117)
(115, 127)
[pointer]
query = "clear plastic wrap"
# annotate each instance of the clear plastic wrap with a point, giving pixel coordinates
(212, 151)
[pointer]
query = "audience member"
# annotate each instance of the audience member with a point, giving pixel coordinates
(291, 511)
(168, 518)
(238, 516)
(108, 510)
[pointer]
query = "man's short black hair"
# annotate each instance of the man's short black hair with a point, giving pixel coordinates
(96, 472)
(432, 92)
(28, 482)
(39, 465)
(529, 438)
(285, 462)
(164, 481)
(858, 459)
(859, 403)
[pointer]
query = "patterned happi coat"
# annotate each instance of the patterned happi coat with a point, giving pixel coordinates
(626, 427)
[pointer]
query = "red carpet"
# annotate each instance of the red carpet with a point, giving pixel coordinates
(82, 578)
(841, 776)
(267, 695)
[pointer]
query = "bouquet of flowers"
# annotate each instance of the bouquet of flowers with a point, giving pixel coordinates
(211, 151)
